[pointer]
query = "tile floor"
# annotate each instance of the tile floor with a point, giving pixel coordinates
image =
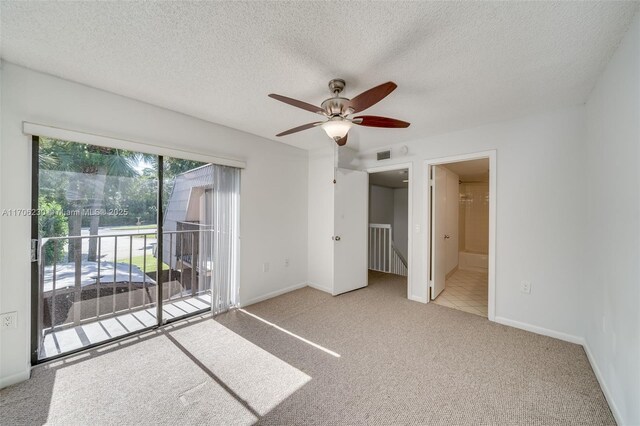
(466, 291)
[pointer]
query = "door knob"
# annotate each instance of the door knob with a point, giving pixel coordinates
(446, 237)
(336, 238)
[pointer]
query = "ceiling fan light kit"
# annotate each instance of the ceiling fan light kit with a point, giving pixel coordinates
(337, 109)
(336, 127)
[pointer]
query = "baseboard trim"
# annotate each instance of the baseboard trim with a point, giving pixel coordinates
(272, 294)
(603, 385)
(540, 330)
(319, 287)
(15, 378)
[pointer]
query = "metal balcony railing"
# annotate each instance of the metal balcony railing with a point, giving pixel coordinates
(77, 289)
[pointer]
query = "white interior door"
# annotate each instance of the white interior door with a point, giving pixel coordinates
(351, 207)
(438, 231)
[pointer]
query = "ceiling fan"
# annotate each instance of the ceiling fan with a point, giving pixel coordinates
(337, 109)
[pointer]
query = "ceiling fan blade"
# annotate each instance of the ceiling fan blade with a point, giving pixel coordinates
(372, 96)
(299, 128)
(297, 103)
(342, 141)
(375, 121)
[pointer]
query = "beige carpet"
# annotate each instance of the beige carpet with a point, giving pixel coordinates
(366, 357)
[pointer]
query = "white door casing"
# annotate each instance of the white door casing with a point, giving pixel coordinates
(438, 226)
(429, 164)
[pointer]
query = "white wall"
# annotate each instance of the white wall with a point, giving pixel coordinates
(540, 213)
(474, 218)
(273, 191)
(400, 219)
(381, 206)
(611, 289)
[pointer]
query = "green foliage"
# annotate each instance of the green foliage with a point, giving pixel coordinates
(82, 177)
(176, 166)
(60, 155)
(137, 195)
(69, 174)
(52, 223)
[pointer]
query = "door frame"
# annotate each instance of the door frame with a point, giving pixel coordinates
(409, 167)
(491, 155)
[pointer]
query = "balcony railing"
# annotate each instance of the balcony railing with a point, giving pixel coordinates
(187, 245)
(77, 288)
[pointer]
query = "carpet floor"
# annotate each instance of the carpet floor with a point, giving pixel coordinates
(366, 357)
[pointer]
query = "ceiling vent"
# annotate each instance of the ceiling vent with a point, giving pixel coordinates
(384, 155)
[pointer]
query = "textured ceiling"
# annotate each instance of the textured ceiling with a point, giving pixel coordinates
(457, 65)
(390, 179)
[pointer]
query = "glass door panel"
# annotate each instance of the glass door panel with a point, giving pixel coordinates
(187, 230)
(102, 273)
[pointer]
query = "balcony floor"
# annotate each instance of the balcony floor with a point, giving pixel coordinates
(69, 339)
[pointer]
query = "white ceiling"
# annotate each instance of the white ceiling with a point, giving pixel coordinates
(390, 179)
(457, 65)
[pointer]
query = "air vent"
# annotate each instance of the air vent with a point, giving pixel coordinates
(384, 155)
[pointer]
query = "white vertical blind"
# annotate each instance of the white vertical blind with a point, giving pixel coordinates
(226, 237)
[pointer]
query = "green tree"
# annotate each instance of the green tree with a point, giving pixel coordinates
(86, 177)
(52, 223)
(172, 168)
(88, 167)
(176, 166)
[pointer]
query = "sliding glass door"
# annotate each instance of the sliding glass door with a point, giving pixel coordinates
(122, 242)
(186, 237)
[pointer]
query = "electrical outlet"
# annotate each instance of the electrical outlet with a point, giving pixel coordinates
(525, 286)
(286, 262)
(265, 267)
(9, 320)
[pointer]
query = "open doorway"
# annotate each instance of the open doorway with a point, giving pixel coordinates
(388, 236)
(460, 233)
